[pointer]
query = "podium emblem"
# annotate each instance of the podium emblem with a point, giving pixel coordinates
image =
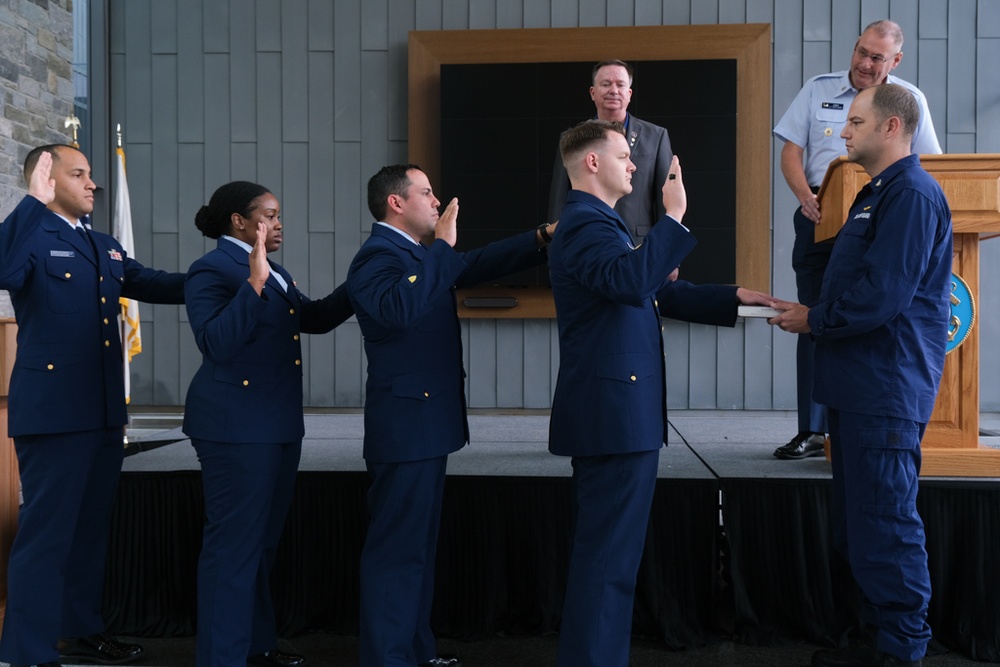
(963, 313)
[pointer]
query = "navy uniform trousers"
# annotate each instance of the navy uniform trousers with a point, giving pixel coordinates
(875, 524)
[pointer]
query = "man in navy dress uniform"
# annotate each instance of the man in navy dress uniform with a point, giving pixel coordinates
(67, 409)
(609, 411)
(402, 285)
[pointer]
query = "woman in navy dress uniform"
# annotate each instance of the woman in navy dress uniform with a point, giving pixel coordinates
(244, 416)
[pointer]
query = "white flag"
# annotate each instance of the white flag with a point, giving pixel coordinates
(121, 228)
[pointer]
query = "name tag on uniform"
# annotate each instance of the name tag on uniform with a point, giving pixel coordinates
(115, 255)
(837, 106)
(62, 253)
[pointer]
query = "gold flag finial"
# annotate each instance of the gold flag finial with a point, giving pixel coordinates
(73, 121)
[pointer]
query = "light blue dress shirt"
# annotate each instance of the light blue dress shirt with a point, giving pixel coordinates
(818, 113)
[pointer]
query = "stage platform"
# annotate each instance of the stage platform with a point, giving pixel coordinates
(737, 541)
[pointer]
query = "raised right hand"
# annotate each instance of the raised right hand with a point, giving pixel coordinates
(259, 268)
(446, 228)
(674, 195)
(42, 186)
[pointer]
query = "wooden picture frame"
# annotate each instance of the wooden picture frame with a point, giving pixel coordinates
(748, 44)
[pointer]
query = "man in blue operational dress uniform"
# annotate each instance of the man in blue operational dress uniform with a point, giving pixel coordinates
(609, 411)
(67, 409)
(880, 327)
(402, 285)
(811, 129)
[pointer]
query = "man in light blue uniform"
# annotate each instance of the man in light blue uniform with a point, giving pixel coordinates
(881, 328)
(811, 130)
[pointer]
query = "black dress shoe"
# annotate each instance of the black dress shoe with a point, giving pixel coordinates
(859, 656)
(99, 649)
(801, 446)
(276, 658)
(444, 660)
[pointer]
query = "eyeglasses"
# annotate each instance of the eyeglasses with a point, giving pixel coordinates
(877, 59)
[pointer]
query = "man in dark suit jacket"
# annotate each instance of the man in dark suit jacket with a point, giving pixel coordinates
(403, 292)
(611, 92)
(67, 408)
(609, 409)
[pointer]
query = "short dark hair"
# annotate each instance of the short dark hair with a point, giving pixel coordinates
(891, 99)
(582, 137)
(215, 219)
(608, 63)
(32, 158)
(389, 180)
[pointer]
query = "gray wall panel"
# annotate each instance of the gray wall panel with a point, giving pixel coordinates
(705, 12)
(510, 15)
(138, 65)
(374, 121)
(374, 25)
(243, 73)
(164, 17)
(190, 74)
(294, 198)
(483, 14)
(216, 23)
(294, 72)
(165, 143)
(268, 24)
(677, 349)
(321, 35)
(244, 168)
(217, 120)
(538, 14)
(347, 72)
(730, 367)
(481, 354)
(988, 98)
(961, 63)
(510, 374)
(286, 109)
(268, 101)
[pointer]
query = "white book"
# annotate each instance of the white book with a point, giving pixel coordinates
(757, 311)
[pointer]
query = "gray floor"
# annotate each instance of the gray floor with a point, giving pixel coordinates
(719, 443)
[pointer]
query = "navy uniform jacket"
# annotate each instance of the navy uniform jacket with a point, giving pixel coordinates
(249, 385)
(881, 326)
(404, 296)
(69, 351)
(651, 155)
(610, 393)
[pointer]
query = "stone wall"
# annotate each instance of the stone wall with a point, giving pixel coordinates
(36, 52)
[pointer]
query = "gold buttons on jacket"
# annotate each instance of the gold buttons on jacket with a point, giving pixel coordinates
(103, 300)
(246, 383)
(101, 279)
(291, 311)
(426, 395)
(50, 367)
(105, 320)
(295, 337)
(67, 275)
(298, 362)
(107, 343)
(633, 378)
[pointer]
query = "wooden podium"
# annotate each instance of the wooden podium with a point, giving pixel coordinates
(10, 482)
(971, 182)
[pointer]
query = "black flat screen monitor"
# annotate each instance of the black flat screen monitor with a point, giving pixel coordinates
(500, 127)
